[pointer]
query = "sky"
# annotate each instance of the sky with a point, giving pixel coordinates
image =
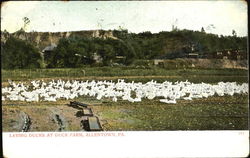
(218, 17)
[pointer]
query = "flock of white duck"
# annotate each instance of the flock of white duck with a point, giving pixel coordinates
(166, 92)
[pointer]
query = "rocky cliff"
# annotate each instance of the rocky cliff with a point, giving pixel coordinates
(44, 39)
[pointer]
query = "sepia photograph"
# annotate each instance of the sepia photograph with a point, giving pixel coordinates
(94, 71)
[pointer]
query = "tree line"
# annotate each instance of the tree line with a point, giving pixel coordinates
(77, 51)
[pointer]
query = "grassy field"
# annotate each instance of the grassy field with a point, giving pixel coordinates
(127, 72)
(214, 113)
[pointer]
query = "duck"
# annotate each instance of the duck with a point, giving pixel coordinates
(168, 101)
(54, 90)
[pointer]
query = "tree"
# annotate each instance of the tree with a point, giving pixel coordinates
(20, 54)
(26, 22)
(202, 30)
(174, 28)
(67, 54)
(234, 33)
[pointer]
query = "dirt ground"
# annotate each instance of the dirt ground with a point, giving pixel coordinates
(42, 118)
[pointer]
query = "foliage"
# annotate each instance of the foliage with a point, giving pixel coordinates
(176, 44)
(79, 51)
(17, 53)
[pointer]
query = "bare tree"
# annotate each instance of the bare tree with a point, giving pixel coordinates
(26, 22)
(234, 33)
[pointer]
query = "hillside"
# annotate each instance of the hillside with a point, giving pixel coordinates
(104, 47)
(44, 39)
(170, 41)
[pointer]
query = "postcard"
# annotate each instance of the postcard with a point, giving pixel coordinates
(121, 79)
